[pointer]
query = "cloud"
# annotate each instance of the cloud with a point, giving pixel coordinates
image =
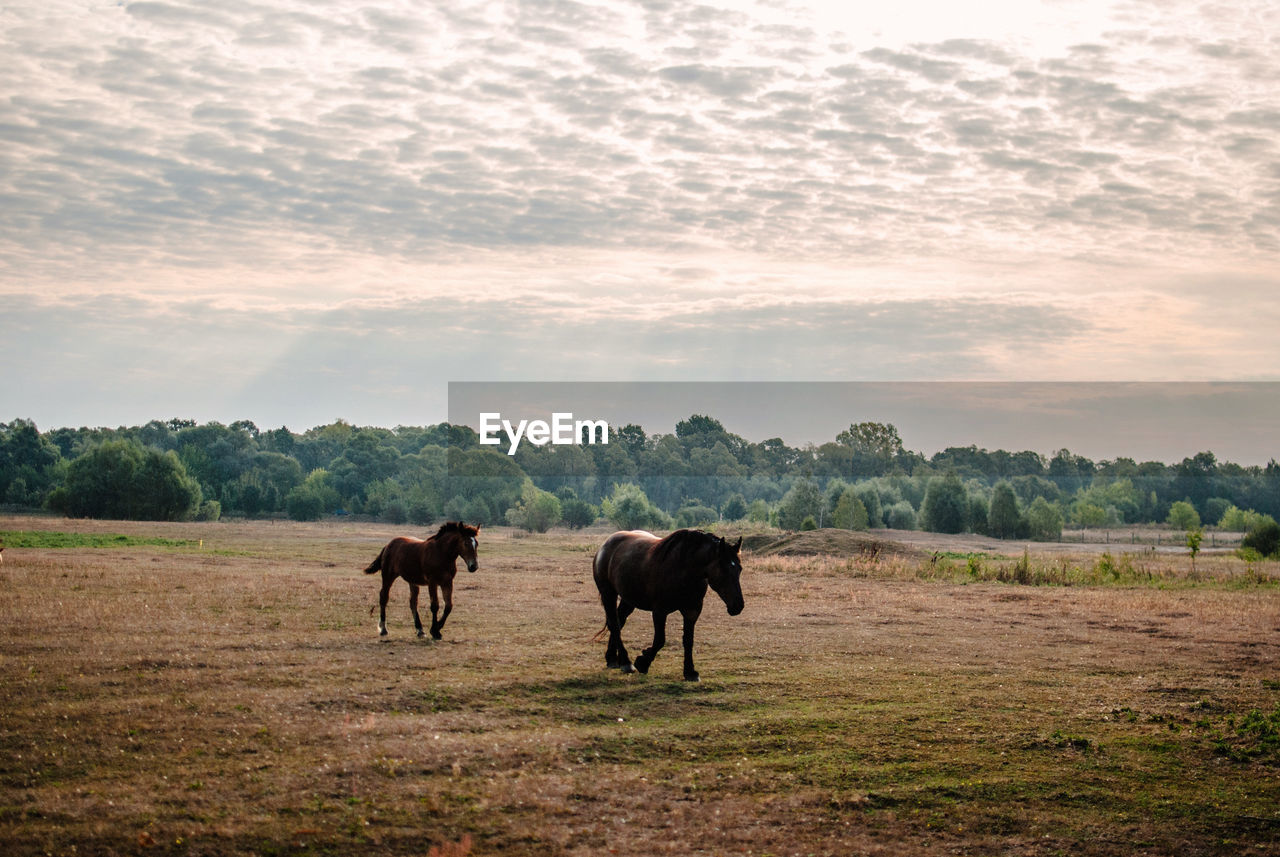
(270, 153)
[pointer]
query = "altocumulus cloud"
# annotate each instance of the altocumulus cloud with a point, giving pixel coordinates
(309, 161)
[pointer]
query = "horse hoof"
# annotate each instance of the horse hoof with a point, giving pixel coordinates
(421, 633)
(691, 677)
(435, 635)
(382, 632)
(628, 668)
(642, 666)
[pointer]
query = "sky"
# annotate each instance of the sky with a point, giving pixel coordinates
(293, 212)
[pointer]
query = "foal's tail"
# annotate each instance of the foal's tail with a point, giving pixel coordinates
(376, 565)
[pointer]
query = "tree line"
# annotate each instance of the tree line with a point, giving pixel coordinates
(700, 473)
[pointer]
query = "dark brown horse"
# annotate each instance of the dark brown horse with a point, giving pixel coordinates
(426, 563)
(639, 571)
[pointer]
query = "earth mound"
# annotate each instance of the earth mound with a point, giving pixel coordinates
(827, 542)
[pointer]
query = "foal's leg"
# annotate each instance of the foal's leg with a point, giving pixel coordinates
(435, 611)
(690, 619)
(413, 606)
(446, 589)
(387, 580)
(659, 640)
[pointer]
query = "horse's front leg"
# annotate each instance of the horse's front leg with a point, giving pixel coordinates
(413, 606)
(690, 619)
(446, 589)
(659, 640)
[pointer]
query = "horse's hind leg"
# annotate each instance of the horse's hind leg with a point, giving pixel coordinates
(659, 640)
(615, 654)
(413, 606)
(382, 604)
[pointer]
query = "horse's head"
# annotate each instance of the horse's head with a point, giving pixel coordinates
(723, 574)
(467, 544)
(459, 539)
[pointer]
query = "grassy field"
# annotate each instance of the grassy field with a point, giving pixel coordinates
(221, 689)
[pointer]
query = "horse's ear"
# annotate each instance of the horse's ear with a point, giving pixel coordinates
(738, 545)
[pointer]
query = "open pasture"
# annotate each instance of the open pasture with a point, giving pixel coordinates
(221, 689)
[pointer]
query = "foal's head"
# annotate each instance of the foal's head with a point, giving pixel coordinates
(465, 536)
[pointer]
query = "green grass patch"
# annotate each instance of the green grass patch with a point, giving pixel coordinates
(47, 539)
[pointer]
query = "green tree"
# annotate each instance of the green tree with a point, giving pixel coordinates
(946, 505)
(976, 517)
(311, 499)
(870, 498)
(304, 504)
(1044, 520)
(1002, 513)
(735, 508)
(28, 464)
(537, 511)
(1194, 537)
(577, 513)
(802, 500)
(628, 508)
(850, 512)
(900, 516)
(695, 514)
(758, 511)
(1089, 515)
(1234, 520)
(874, 447)
(1183, 516)
(121, 479)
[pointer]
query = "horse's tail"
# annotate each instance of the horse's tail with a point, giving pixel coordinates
(376, 565)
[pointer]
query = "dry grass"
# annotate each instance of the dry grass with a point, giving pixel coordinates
(233, 698)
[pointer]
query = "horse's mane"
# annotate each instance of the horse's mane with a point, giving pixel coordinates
(465, 530)
(681, 545)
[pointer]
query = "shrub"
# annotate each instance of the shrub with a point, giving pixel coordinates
(304, 504)
(537, 511)
(808, 523)
(900, 516)
(695, 515)
(395, 511)
(1233, 520)
(1264, 537)
(577, 514)
(1183, 516)
(420, 512)
(1044, 521)
(629, 508)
